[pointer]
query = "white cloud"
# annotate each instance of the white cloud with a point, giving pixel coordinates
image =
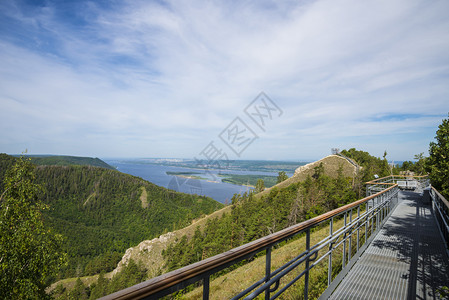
(166, 78)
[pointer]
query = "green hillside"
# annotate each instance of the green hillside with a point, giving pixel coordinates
(255, 216)
(63, 160)
(102, 212)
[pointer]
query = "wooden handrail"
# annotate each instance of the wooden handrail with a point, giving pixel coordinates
(166, 281)
(375, 181)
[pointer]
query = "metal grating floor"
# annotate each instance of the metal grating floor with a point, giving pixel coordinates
(406, 260)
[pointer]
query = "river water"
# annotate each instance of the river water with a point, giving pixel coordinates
(212, 187)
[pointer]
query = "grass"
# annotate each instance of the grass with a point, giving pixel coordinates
(331, 164)
(144, 197)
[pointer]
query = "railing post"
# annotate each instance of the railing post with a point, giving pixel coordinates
(366, 221)
(329, 269)
(306, 277)
(344, 243)
(350, 237)
(267, 271)
(358, 229)
(206, 287)
(377, 214)
(372, 221)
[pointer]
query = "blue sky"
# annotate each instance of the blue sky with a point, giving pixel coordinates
(165, 78)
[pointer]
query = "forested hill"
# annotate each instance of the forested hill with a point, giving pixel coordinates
(63, 160)
(254, 216)
(102, 212)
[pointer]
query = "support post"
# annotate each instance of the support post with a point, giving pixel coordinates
(267, 271)
(329, 268)
(306, 277)
(206, 287)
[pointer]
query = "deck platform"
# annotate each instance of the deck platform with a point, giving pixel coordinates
(406, 260)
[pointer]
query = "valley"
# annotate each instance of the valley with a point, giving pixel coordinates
(120, 229)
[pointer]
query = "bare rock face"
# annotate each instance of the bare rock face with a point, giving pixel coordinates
(148, 252)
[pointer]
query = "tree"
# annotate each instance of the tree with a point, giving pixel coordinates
(79, 291)
(437, 163)
(282, 176)
(419, 166)
(30, 253)
(260, 185)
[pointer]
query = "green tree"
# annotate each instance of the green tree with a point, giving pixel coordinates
(282, 176)
(79, 291)
(437, 163)
(419, 166)
(30, 254)
(260, 185)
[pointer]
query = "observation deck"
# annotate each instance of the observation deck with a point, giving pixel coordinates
(406, 260)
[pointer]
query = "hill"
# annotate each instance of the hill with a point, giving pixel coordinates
(331, 165)
(103, 212)
(316, 188)
(63, 160)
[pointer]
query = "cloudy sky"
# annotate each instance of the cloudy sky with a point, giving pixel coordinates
(167, 78)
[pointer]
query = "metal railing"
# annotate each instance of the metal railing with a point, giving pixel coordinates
(440, 207)
(359, 222)
(404, 182)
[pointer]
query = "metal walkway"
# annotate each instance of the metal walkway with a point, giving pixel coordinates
(406, 260)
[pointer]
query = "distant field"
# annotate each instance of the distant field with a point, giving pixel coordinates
(249, 180)
(242, 165)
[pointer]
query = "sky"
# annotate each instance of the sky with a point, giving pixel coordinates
(277, 80)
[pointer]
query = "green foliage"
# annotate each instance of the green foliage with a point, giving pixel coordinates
(254, 217)
(438, 162)
(418, 167)
(100, 213)
(79, 291)
(30, 253)
(281, 177)
(6, 162)
(131, 274)
(370, 166)
(69, 161)
(260, 186)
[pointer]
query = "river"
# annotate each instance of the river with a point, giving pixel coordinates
(212, 187)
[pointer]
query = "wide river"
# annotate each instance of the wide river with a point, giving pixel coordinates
(220, 191)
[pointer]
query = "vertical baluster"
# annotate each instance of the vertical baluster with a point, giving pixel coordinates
(382, 208)
(372, 221)
(344, 243)
(366, 220)
(306, 276)
(378, 214)
(350, 236)
(358, 229)
(267, 272)
(329, 268)
(206, 288)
